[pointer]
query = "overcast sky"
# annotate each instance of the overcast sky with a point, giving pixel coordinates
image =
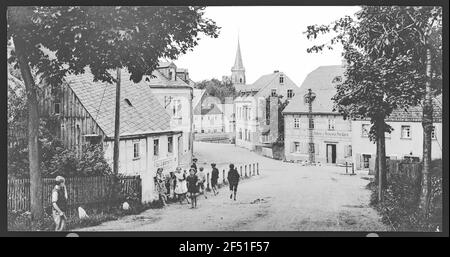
(271, 39)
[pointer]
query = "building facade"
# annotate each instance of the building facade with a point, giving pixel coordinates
(85, 112)
(405, 140)
(170, 86)
(321, 135)
(252, 107)
(208, 119)
(326, 137)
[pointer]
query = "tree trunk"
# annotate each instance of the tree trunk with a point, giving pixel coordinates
(117, 127)
(427, 124)
(36, 204)
(376, 163)
(381, 159)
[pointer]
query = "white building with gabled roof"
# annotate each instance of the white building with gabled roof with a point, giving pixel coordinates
(85, 112)
(171, 87)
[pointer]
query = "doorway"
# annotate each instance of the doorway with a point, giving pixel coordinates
(366, 160)
(331, 153)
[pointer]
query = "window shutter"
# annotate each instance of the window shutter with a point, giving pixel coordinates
(358, 161)
(292, 147)
(346, 150)
(316, 146)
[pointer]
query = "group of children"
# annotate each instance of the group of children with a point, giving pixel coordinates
(178, 184)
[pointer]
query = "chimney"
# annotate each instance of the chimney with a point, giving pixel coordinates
(276, 71)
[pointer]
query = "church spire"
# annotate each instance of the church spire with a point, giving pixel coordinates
(238, 70)
(238, 65)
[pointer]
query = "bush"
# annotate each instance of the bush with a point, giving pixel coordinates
(400, 208)
(55, 158)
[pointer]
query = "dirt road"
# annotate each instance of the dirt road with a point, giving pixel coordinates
(285, 197)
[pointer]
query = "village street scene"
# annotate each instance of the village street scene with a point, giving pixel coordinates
(184, 118)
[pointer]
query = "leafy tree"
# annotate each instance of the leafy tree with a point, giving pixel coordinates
(217, 88)
(386, 66)
(54, 41)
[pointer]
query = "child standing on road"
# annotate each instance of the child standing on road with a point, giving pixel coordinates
(233, 180)
(181, 187)
(160, 186)
(192, 181)
(214, 178)
(201, 181)
(172, 184)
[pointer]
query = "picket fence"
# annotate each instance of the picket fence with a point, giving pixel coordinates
(82, 191)
(245, 171)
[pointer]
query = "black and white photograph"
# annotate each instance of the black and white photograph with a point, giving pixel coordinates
(225, 119)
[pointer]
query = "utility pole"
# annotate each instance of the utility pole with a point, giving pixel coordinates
(117, 126)
(309, 98)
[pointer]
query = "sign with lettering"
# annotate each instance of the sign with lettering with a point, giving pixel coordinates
(327, 133)
(166, 163)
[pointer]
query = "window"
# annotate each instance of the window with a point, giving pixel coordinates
(311, 123)
(156, 147)
(365, 130)
(366, 160)
(281, 79)
(273, 92)
(240, 133)
(290, 93)
(348, 150)
(240, 80)
(170, 144)
(56, 108)
(331, 123)
(296, 123)
(136, 150)
(176, 111)
(406, 132)
(433, 132)
(246, 134)
(311, 148)
(296, 147)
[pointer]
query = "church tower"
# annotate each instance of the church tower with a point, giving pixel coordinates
(238, 70)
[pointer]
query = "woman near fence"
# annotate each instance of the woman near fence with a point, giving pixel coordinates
(160, 186)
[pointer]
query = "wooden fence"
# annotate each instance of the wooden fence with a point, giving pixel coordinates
(82, 191)
(412, 170)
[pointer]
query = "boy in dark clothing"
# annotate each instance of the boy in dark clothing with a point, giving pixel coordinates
(192, 185)
(233, 181)
(194, 164)
(214, 178)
